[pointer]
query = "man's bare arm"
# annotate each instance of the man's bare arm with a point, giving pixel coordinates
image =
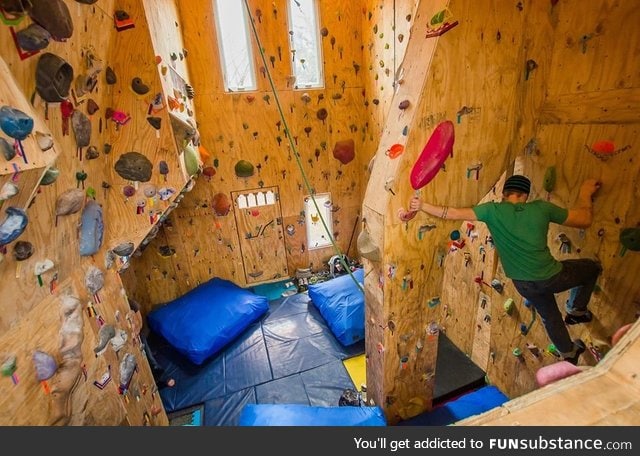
(444, 212)
(581, 215)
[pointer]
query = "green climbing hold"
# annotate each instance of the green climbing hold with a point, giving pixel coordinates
(549, 179)
(191, 161)
(244, 169)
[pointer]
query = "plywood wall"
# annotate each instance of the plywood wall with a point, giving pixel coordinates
(30, 303)
(582, 89)
(507, 119)
(251, 126)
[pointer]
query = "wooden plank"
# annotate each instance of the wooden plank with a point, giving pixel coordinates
(617, 106)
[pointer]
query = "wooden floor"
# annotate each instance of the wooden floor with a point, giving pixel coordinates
(605, 395)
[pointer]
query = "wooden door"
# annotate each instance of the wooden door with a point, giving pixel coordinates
(259, 221)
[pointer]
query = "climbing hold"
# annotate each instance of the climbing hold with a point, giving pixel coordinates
(163, 168)
(91, 228)
(209, 172)
(92, 153)
(404, 105)
(22, 250)
(92, 106)
(33, 38)
(110, 76)
(13, 225)
(243, 169)
(122, 20)
(134, 166)
(509, 306)
(81, 126)
(322, 114)
(8, 190)
(127, 368)
(54, 16)
(435, 152)
(138, 86)
(53, 78)
(105, 334)
(69, 202)
(344, 151)
(395, 151)
(44, 140)
(221, 204)
(629, 238)
(549, 182)
(8, 151)
(155, 122)
(45, 365)
(128, 191)
(191, 160)
(15, 123)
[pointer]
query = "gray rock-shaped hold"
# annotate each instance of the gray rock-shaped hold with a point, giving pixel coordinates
(50, 176)
(45, 365)
(33, 37)
(124, 249)
(94, 280)
(70, 201)
(134, 166)
(81, 128)
(7, 150)
(54, 16)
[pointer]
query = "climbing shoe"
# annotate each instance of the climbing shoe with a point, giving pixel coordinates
(577, 319)
(580, 348)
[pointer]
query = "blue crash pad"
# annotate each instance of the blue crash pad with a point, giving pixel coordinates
(479, 401)
(303, 415)
(341, 303)
(204, 320)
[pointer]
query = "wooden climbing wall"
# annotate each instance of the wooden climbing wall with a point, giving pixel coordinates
(529, 86)
(499, 75)
(129, 215)
(249, 127)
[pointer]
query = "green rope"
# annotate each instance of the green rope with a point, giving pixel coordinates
(294, 148)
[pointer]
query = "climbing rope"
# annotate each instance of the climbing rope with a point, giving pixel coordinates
(296, 155)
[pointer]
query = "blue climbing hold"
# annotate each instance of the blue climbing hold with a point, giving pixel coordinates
(15, 123)
(91, 229)
(13, 226)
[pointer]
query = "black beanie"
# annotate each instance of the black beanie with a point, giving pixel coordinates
(517, 183)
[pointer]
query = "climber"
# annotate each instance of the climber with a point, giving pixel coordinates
(519, 230)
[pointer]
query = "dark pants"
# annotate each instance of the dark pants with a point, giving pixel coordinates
(577, 275)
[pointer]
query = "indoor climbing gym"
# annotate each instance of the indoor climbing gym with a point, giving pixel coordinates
(382, 213)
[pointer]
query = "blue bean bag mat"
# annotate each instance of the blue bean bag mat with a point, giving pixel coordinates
(204, 320)
(305, 415)
(341, 303)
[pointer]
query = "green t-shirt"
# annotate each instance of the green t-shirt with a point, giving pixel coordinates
(519, 232)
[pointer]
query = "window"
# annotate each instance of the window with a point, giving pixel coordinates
(317, 236)
(304, 37)
(236, 57)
